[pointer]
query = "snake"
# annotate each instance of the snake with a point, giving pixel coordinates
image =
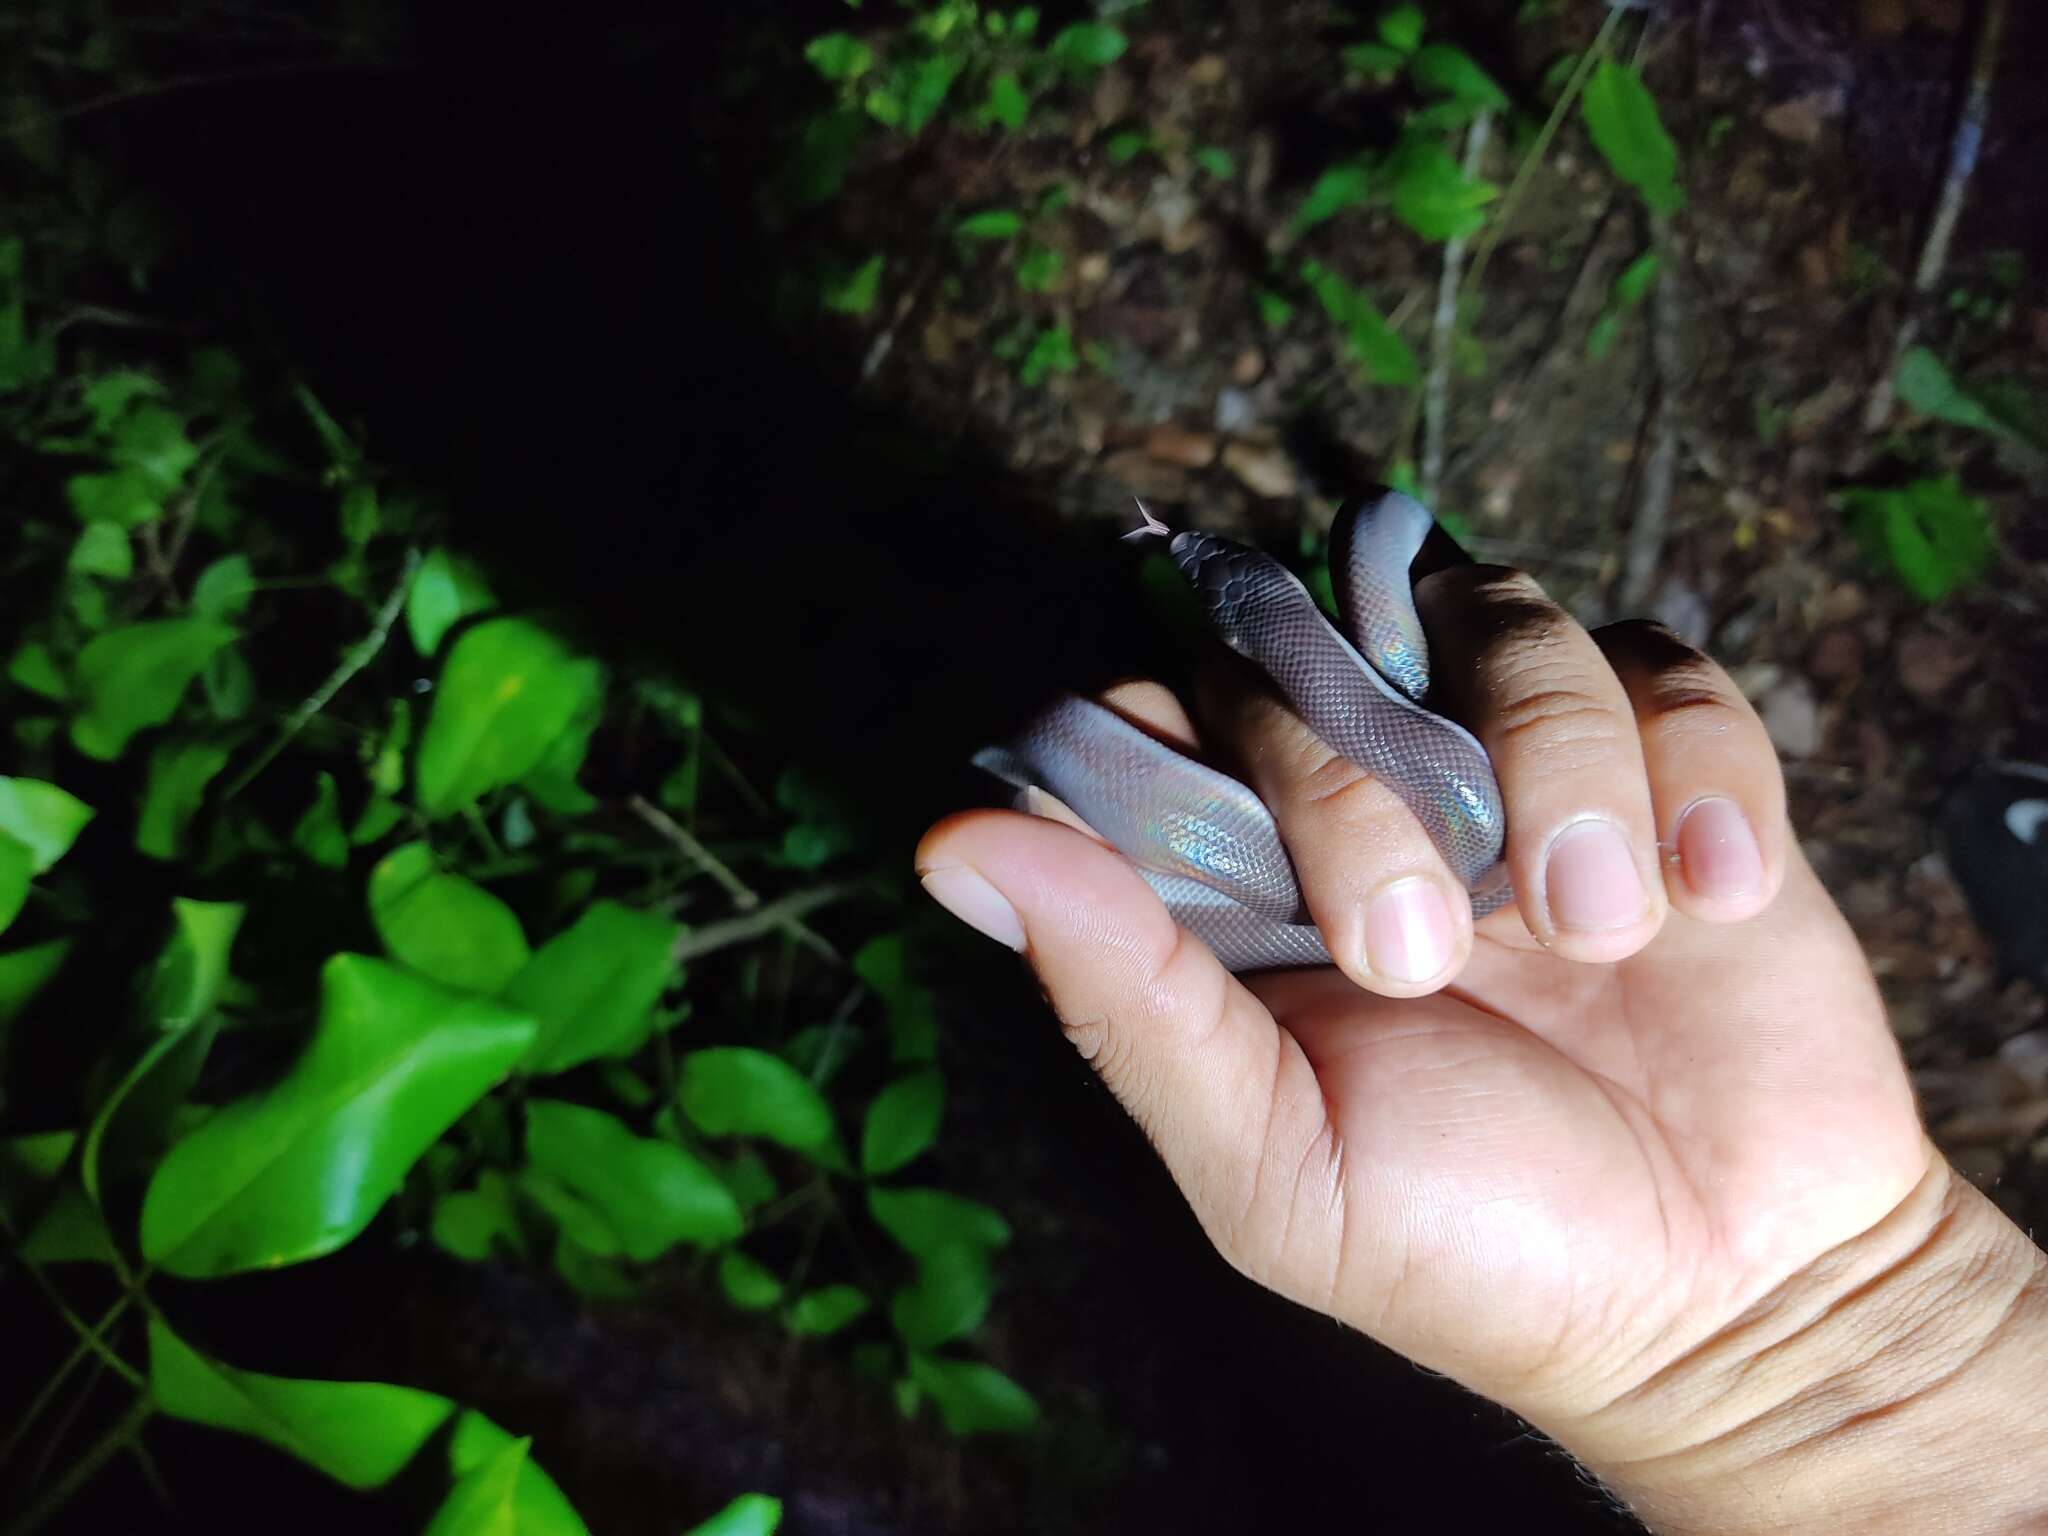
(1204, 841)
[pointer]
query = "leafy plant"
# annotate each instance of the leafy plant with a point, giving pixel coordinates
(1932, 535)
(1622, 117)
(1634, 282)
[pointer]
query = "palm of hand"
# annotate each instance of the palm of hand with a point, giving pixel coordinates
(1550, 1179)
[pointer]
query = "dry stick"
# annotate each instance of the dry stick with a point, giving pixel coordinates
(785, 912)
(743, 896)
(1955, 185)
(1437, 396)
(1645, 548)
(358, 658)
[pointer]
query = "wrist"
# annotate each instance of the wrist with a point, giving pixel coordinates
(1899, 1384)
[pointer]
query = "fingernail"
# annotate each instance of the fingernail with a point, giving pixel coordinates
(963, 892)
(1591, 882)
(1408, 931)
(1717, 852)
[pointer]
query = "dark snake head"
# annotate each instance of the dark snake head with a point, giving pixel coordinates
(1236, 586)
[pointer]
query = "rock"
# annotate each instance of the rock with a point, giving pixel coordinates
(1791, 715)
(1144, 475)
(1802, 119)
(1264, 471)
(1177, 445)
(1235, 411)
(1251, 362)
(1930, 662)
(1836, 655)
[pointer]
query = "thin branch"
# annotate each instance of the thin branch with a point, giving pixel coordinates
(1963, 150)
(359, 657)
(83, 1470)
(743, 896)
(33, 121)
(1443, 336)
(784, 913)
(1644, 553)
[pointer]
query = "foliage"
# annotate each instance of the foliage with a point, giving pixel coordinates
(1622, 117)
(1931, 534)
(438, 986)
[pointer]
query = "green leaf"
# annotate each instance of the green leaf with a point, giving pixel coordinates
(1925, 384)
(653, 1194)
(926, 1221)
(109, 396)
(442, 925)
(552, 781)
(125, 497)
(1086, 46)
(1373, 59)
(924, 84)
(751, 1514)
(854, 292)
(839, 56)
(732, 1090)
(539, 1504)
(1622, 117)
(469, 1223)
(1006, 102)
(132, 678)
(747, 1283)
(102, 550)
(1601, 335)
(319, 834)
(1217, 162)
(1386, 357)
(817, 163)
(484, 1502)
(25, 972)
(1400, 28)
(827, 1309)
(507, 691)
(973, 1398)
(1453, 72)
(902, 1122)
(594, 985)
(948, 1299)
(17, 867)
(34, 668)
(1274, 309)
(1338, 188)
(179, 772)
(1125, 147)
(42, 818)
(1432, 195)
(752, 1185)
(1052, 351)
(357, 1432)
(990, 224)
(150, 441)
(820, 1050)
(1039, 269)
(1935, 536)
(296, 1171)
(1635, 280)
(224, 588)
(446, 590)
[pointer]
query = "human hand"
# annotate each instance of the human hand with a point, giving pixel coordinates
(1595, 1156)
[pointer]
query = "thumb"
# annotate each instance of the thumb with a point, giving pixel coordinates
(1192, 1055)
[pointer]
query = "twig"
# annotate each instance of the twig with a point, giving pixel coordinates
(359, 657)
(1645, 550)
(785, 912)
(34, 120)
(83, 1470)
(743, 896)
(1955, 185)
(1437, 397)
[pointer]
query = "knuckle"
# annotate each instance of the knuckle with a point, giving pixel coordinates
(1559, 724)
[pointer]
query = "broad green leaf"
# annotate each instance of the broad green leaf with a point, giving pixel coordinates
(1051, 352)
(1635, 280)
(1400, 27)
(102, 550)
(902, 1122)
(736, 1091)
(297, 1170)
(41, 817)
(949, 1297)
(1085, 46)
(109, 396)
(484, 1501)
(179, 772)
(752, 1185)
(127, 498)
(446, 590)
(470, 1222)
(827, 1309)
(853, 293)
(1432, 194)
(1217, 162)
(67, 1228)
(1373, 59)
(652, 1193)
(1622, 117)
(379, 816)
(1039, 268)
(923, 87)
(442, 925)
(973, 1398)
(582, 1225)
(132, 678)
(913, 1013)
(1934, 535)
(191, 974)
(319, 834)
(751, 1514)
(1338, 188)
(925, 1221)
(839, 56)
(1925, 384)
(594, 985)
(1274, 309)
(34, 668)
(1386, 357)
(150, 440)
(507, 691)
(552, 781)
(990, 224)
(25, 972)
(1006, 102)
(357, 1432)
(17, 868)
(1125, 147)
(747, 1282)
(224, 588)
(1453, 72)
(539, 1504)
(820, 1050)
